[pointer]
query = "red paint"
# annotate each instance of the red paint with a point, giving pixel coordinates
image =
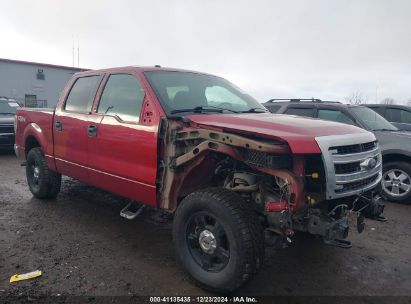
(298, 132)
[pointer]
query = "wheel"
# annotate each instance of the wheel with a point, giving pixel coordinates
(43, 182)
(396, 182)
(218, 239)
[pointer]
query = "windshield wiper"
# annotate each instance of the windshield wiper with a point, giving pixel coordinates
(203, 109)
(255, 110)
(7, 113)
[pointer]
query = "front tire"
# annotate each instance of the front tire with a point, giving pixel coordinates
(43, 183)
(218, 239)
(396, 182)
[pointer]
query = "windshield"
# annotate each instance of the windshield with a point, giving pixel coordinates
(181, 92)
(8, 107)
(372, 120)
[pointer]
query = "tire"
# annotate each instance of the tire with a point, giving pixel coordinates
(43, 183)
(396, 182)
(236, 230)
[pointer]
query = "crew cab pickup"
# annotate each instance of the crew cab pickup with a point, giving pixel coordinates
(193, 144)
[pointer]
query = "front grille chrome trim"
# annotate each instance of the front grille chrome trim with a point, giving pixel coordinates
(336, 181)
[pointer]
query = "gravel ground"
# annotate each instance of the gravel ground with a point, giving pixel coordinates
(84, 247)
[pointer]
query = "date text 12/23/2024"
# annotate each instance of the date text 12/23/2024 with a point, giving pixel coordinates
(174, 299)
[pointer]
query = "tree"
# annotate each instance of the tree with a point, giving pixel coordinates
(356, 98)
(409, 102)
(388, 101)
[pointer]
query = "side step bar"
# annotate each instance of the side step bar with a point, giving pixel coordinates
(127, 212)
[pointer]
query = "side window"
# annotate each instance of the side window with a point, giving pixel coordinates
(272, 108)
(308, 112)
(393, 115)
(82, 93)
(122, 96)
(398, 115)
(379, 110)
(335, 115)
(405, 116)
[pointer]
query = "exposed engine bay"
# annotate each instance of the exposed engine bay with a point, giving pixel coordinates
(287, 191)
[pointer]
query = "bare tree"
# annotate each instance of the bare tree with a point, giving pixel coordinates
(388, 101)
(356, 98)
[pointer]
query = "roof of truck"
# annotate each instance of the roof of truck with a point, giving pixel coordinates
(140, 69)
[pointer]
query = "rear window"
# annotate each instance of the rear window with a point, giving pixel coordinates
(82, 93)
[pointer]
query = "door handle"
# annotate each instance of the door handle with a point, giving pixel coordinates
(92, 130)
(58, 126)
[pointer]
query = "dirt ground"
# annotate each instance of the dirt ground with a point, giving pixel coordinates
(84, 247)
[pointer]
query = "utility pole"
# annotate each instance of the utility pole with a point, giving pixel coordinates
(376, 94)
(72, 51)
(78, 52)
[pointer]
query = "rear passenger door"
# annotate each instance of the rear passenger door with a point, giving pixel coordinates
(70, 128)
(123, 149)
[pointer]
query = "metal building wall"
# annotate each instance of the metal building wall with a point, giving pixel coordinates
(18, 79)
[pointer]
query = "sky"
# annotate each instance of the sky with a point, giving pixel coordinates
(327, 49)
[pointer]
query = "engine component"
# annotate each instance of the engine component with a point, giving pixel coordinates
(242, 182)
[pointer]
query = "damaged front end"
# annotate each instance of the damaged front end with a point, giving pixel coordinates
(321, 194)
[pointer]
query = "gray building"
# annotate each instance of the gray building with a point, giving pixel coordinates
(33, 84)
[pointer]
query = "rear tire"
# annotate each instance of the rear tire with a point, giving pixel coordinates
(396, 182)
(218, 239)
(43, 183)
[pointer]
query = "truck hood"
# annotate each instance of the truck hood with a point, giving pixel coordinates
(298, 132)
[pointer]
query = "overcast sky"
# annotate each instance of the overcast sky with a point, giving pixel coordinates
(326, 49)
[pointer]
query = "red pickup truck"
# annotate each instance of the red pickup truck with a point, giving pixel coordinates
(234, 175)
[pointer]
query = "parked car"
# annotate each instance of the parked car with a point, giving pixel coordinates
(194, 145)
(395, 144)
(8, 109)
(398, 115)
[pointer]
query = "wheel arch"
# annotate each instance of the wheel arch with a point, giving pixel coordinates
(30, 143)
(390, 157)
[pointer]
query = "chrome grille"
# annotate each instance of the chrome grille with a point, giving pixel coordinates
(347, 168)
(354, 148)
(346, 158)
(357, 185)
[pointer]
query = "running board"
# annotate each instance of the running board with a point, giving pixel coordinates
(127, 212)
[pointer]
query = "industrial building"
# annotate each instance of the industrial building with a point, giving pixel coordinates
(33, 84)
